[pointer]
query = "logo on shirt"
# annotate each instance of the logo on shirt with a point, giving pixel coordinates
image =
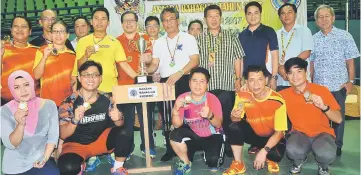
(180, 47)
(277, 3)
(93, 118)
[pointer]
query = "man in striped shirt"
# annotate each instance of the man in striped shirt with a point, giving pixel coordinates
(221, 53)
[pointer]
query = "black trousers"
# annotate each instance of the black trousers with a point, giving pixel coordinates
(213, 146)
(241, 132)
(118, 139)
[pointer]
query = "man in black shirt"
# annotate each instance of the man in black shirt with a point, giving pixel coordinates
(91, 125)
(47, 18)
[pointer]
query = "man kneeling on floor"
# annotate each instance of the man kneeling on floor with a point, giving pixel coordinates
(310, 107)
(263, 126)
(90, 125)
(197, 118)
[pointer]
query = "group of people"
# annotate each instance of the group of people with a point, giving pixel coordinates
(58, 97)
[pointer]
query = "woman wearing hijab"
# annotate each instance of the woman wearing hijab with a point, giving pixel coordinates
(29, 129)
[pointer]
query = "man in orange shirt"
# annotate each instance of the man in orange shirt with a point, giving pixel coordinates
(17, 55)
(129, 40)
(263, 126)
(309, 108)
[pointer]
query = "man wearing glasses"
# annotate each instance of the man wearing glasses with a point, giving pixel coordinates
(174, 54)
(47, 18)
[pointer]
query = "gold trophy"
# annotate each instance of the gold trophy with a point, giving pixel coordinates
(143, 77)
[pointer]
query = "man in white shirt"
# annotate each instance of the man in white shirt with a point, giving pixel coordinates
(294, 40)
(175, 54)
(81, 29)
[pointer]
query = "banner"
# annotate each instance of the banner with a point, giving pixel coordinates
(233, 15)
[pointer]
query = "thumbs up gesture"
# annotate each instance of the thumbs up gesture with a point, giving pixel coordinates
(205, 112)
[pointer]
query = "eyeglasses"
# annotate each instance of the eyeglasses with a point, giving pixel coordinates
(58, 31)
(152, 26)
(20, 27)
(130, 21)
(48, 19)
(95, 75)
(172, 20)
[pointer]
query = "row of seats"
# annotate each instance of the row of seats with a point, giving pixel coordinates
(8, 6)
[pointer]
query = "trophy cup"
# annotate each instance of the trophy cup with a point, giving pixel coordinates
(143, 77)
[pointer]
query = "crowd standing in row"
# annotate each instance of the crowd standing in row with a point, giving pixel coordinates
(55, 96)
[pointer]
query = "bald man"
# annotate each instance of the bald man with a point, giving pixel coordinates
(47, 18)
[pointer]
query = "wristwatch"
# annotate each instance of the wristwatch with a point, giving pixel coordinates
(73, 122)
(275, 77)
(181, 71)
(352, 81)
(327, 109)
(267, 149)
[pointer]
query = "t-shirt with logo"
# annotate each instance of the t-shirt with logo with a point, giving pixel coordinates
(191, 117)
(264, 116)
(109, 54)
(94, 122)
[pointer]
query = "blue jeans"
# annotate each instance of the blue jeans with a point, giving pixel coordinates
(49, 168)
(340, 97)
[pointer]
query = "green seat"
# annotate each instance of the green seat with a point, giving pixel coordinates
(49, 4)
(39, 5)
(20, 5)
(10, 8)
(101, 2)
(92, 2)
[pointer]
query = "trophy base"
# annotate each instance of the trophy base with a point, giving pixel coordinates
(143, 79)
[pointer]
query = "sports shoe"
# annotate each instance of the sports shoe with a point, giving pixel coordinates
(253, 149)
(182, 168)
(92, 164)
(338, 152)
(297, 169)
(111, 159)
(235, 168)
(152, 152)
(323, 171)
(119, 171)
(272, 166)
(214, 169)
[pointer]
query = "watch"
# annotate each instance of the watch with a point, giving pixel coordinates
(181, 71)
(73, 122)
(267, 149)
(327, 109)
(275, 77)
(352, 81)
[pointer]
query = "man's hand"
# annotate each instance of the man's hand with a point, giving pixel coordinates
(282, 72)
(237, 85)
(174, 78)
(146, 58)
(115, 114)
(90, 50)
(318, 102)
(79, 113)
(260, 159)
(348, 86)
(273, 83)
(236, 114)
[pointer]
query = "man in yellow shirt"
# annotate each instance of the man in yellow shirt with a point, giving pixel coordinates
(103, 48)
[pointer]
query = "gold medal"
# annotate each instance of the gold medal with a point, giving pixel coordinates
(7, 38)
(86, 105)
(129, 58)
(212, 57)
(54, 52)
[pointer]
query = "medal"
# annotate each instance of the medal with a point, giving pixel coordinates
(23, 105)
(54, 52)
(240, 105)
(172, 63)
(129, 58)
(96, 47)
(86, 105)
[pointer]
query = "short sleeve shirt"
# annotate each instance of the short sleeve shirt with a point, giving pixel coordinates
(329, 57)
(201, 126)
(307, 118)
(181, 47)
(257, 44)
(264, 116)
(299, 39)
(110, 52)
